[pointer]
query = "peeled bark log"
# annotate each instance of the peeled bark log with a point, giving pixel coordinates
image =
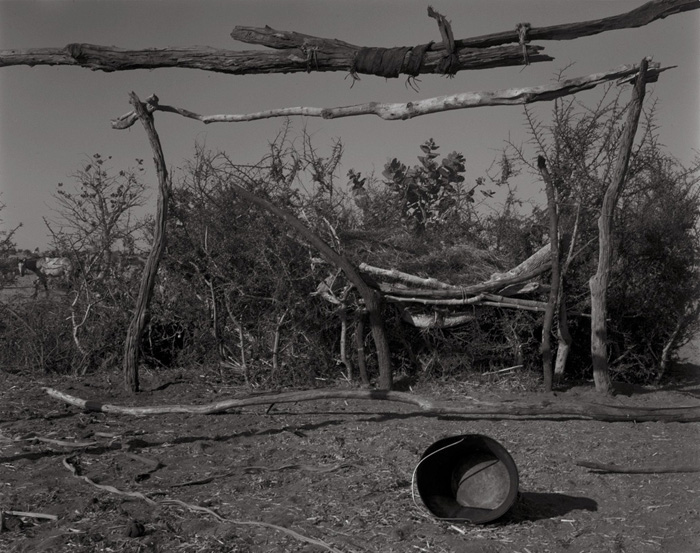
(600, 281)
(406, 278)
(535, 265)
(435, 319)
(478, 409)
(416, 108)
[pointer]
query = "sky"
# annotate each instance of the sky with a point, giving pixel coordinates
(53, 118)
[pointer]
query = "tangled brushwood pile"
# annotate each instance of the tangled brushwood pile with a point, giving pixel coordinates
(463, 278)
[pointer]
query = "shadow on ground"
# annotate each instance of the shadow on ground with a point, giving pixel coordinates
(534, 506)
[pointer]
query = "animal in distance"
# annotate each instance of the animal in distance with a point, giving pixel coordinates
(44, 267)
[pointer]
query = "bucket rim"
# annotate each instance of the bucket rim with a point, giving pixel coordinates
(493, 447)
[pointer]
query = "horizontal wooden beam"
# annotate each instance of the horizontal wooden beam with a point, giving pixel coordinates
(409, 110)
(296, 52)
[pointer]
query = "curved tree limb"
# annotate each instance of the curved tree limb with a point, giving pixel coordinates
(477, 409)
(638, 17)
(409, 110)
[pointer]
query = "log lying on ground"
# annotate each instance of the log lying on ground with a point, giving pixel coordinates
(477, 409)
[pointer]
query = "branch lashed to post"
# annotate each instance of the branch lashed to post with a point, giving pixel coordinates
(305, 53)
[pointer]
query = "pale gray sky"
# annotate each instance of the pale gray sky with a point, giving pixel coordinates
(51, 118)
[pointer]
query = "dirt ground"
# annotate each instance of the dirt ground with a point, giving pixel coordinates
(334, 472)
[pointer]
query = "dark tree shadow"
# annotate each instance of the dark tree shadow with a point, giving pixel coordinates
(684, 378)
(532, 506)
(681, 377)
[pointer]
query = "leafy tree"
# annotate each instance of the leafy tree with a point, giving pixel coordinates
(429, 193)
(98, 228)
(98, 214)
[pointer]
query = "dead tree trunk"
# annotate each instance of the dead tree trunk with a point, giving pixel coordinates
(138, 321)
(599, 282)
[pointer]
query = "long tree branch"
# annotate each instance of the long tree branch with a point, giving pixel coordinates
(638, 17)
(548, 408)
(251, 62)
(408, 110)
(305, 53)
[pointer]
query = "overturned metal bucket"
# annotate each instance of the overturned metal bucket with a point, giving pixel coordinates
(467, 478)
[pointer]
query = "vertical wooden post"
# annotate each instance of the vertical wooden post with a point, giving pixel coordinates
(600, 281)
(360, 347)
(138, 321)
(554, 287)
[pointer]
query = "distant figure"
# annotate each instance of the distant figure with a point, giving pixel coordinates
(43, 267)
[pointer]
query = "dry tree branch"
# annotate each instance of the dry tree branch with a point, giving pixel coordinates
(263, 468)
(29, 515)
(305, 53)
(408, 110)
(480, 299)
(332, 55)
(197, 508)
(549, 409)
(408, 278)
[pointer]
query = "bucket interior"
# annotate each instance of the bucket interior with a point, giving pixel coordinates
(471, 478)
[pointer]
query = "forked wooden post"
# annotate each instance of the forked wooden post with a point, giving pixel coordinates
(148, 279)
(600, 281)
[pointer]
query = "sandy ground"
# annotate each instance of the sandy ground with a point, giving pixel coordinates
(328, 475)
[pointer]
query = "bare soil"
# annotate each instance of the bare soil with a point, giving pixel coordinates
(332, 471)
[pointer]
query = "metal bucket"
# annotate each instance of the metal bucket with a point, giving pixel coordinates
(468, 478)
